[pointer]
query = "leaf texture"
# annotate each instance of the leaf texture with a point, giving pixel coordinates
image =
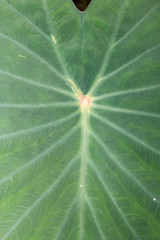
(79, 120)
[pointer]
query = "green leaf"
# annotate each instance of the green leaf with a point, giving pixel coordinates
(79, 120)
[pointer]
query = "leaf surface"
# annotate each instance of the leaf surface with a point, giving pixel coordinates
(79, 120)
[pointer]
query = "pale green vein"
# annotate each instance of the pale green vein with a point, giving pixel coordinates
(94, 217)
(37, 106)
(37, 128)
(49, 66)
(106, 59)
(66, 217)
(82, 52)
(136, 25)
(124, 132)
(125, 92)
(113, 199)
(37, 29)
(128, 64)
(36, 84)
(120, 164)
(55, 45)
(41, 198)
(27, 20)
(126, 111)
(108, 52)
(41, 155)
(83, 169)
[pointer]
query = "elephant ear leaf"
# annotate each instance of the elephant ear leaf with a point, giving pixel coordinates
(79, 120)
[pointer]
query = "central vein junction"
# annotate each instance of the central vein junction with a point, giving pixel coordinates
(84, 100)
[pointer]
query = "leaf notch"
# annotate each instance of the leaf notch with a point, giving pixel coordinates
(81, 5)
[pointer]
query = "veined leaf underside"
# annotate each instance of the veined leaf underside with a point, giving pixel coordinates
(79, 120)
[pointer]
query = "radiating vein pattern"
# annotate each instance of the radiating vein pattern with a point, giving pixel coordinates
(108, 52)
(130, 91)
(127, 111)
(36, 84)
(79, 120)
(44, 153)
(45, 194)
(26, 19)
(132, 61)
(34, 106)
(114, 201)
(126, 133)
(83, 170)
(32, 54)
(137, 24)
(120, 165)
(53, 38)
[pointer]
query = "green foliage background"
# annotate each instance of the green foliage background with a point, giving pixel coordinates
(67, 174)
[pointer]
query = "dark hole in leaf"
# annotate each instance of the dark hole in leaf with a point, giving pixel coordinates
(81, 4)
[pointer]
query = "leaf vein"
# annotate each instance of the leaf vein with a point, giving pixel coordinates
(127, 111)
(43, 196)
(136, 25)
(36, 106)
(36, 84)
(49, 66)
(120, 165)
(40, 156)
(113, 199)
(136, 90)
(129, 63)
(124, 132)
(95, 218)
